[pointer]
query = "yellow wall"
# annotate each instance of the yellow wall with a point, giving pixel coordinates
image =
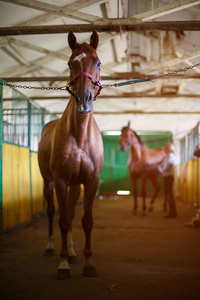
(16, 186)
(183, 179)
(198, 180)
(190, 181)
(21, 200)
(37, 185)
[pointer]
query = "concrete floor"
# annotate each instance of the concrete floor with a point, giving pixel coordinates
(137, 257)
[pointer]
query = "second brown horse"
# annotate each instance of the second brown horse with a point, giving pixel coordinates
(142, 164)
(71, 153)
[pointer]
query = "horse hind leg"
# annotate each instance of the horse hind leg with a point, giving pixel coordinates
(48, 193)
(135, 203)
(144, 196)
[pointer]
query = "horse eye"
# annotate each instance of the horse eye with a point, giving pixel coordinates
(69, 65)
(98, 64)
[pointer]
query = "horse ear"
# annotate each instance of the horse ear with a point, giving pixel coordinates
(129, 123)
(72, 40)
(94, 39)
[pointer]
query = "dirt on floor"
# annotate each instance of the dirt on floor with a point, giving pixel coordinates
(137, 257)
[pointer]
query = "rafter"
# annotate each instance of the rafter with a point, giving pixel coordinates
(50, 8)
(54, 54)
(47, 17)
(113, 25)
(171, 62)
(165, 10)
(58, 54)
(106, 11)
(124, 96)
(140, 112)
(114, 76)
(38, 63)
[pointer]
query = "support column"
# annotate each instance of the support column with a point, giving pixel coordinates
(1, 157)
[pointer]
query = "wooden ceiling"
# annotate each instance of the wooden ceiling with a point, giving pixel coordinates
(138, 39)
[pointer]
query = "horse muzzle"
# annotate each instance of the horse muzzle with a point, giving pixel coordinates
(84, 102)
(123, 147)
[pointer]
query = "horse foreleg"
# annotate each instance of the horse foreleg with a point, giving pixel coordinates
(157, 189)
(48, 193)
(63, 271)
(74, 193)
(87, 223)
(144, 195)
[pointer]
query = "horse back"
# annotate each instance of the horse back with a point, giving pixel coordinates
(154, 156)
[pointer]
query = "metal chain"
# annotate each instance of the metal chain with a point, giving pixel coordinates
(177, 71)
(105, 85)
(32, 87)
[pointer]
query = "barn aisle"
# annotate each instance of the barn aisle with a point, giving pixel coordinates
(136, 257)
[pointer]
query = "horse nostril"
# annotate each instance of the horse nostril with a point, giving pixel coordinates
(90, 96)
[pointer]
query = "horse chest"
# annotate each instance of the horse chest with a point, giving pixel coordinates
(136, 167)
(76, 166)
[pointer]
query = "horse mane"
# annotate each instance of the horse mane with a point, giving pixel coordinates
(139, 138)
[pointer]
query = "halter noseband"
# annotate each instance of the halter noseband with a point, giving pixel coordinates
(96, 82)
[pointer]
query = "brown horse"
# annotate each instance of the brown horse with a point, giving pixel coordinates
(141, 163)
(71, 153)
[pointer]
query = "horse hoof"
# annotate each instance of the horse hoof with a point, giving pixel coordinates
(150, 208)
(90, 272)
(134, 212)
(49, 252)
(143, 214)
(72, 259)
(63, 274)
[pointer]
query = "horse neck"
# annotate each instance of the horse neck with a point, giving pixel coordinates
(137, 150)
(78, 124)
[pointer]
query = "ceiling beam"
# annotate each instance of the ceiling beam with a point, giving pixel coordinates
(53, 9)
(171, 62)
(111, 27)
(55, 54)
(140, 112)
(48, 17)
(124, 96)
(39, 63)
(117, 76)
(165, 10)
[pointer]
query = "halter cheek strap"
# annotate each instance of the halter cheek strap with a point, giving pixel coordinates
(96, 82)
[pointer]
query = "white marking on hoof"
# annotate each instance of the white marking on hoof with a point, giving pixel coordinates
(80, 56)
(50, 243)
(70, 244)
(64, 265)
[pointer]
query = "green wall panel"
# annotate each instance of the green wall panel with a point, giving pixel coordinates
(115, 173)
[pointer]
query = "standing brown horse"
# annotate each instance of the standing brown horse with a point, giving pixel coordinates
(141, 163)
(71, 153)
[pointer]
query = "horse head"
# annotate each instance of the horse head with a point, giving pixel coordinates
(84, 66)
(128, 138)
